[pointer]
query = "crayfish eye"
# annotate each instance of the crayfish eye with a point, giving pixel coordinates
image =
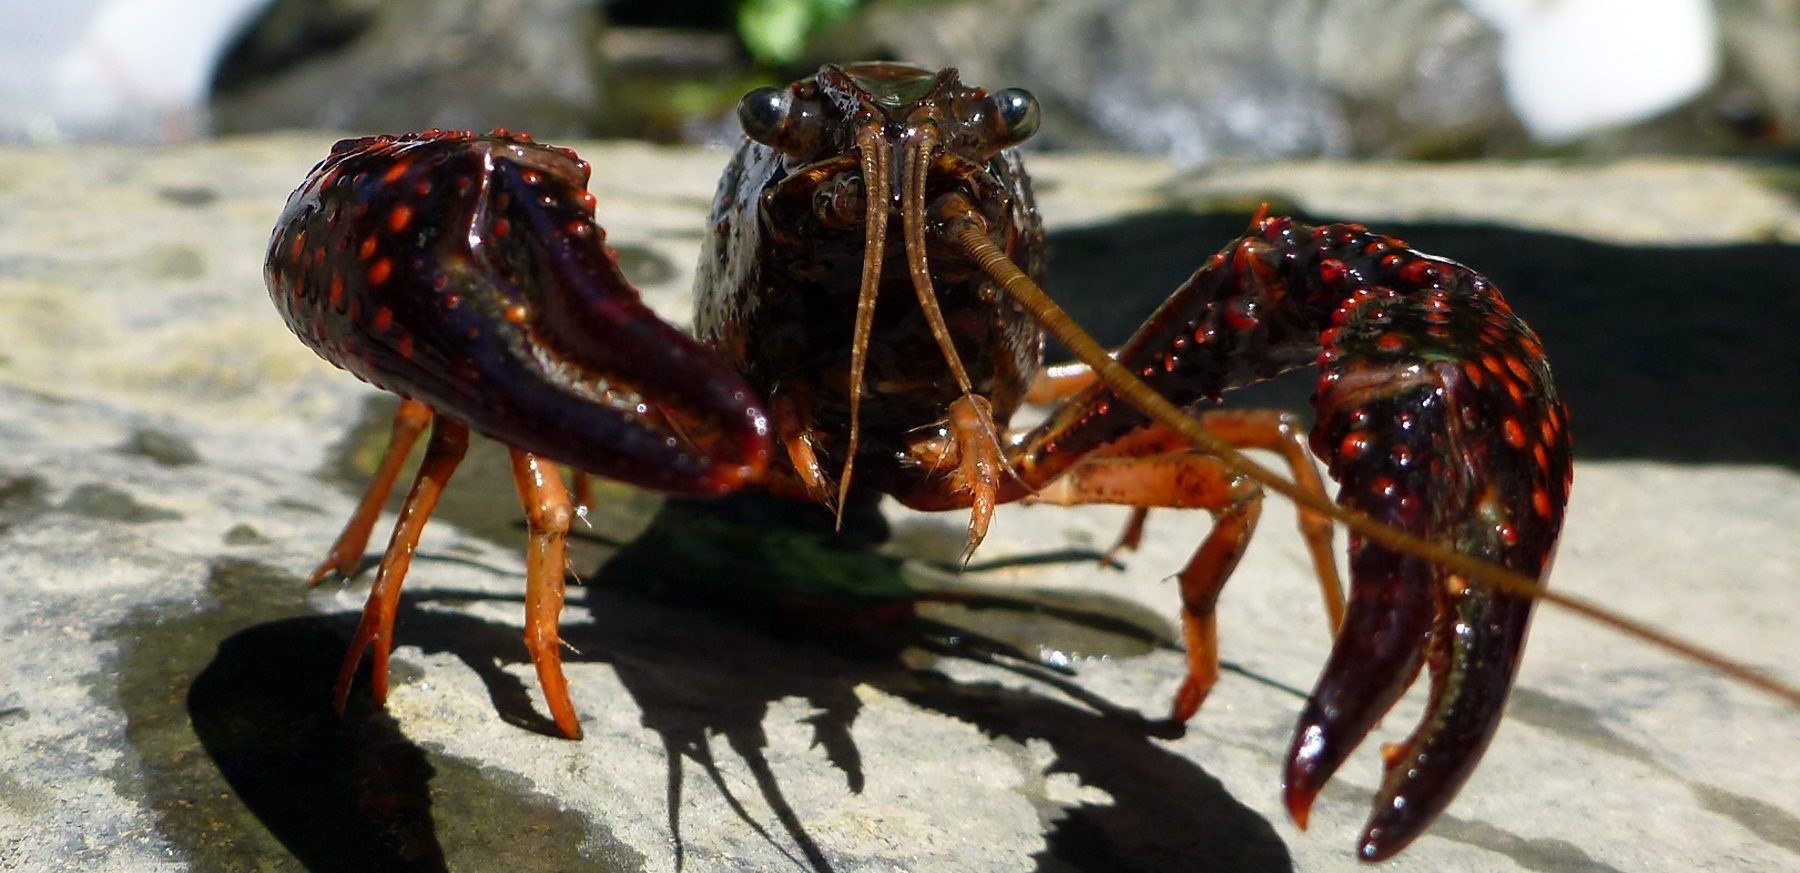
(1017, 113)
(763, 112)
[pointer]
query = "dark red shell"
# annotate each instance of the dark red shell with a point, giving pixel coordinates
(467, 272)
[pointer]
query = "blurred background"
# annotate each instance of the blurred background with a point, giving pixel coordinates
(1197, 80)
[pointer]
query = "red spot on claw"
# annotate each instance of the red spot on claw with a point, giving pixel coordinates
(380, 271)
(1515, 435)
(399, 218)
(1540, 501)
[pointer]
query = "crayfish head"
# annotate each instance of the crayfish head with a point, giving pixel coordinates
(865, 144)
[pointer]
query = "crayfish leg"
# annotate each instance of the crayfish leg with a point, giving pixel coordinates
(449, 441)
(794, 427)
(1268, 429)
(1281, 432)
(1201, 581)
(1181, 480)
(548, 514)
(410, 421)
(1129, 539)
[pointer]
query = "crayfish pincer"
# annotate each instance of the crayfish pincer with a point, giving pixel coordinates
(868, 308)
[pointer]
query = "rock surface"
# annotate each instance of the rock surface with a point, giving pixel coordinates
(172, 462)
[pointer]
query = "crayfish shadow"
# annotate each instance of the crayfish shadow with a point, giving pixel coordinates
(696, 674)
(1645, 340)
(357, 794)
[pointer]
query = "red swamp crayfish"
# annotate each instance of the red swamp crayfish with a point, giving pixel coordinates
(868, 311)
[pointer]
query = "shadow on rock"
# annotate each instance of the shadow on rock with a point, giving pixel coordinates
(244, 764)
(357, 794)
(340, 794)
(780, 626)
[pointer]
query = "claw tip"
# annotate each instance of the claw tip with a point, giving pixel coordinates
(1299, 800)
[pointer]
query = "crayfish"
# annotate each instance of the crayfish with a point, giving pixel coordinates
(868, 312)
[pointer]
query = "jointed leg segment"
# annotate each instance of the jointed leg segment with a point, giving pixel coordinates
(410, 421)
(449, 440)
(1153, 466)
(548, 514)
(1186, 481)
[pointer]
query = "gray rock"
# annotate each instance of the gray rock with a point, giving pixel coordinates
(361, 65)
(1201, 80)
(163, 679)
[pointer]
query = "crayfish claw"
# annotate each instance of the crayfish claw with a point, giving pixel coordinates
(1473, 658)
(1374, 659)
(1445, 423)
(1472, 651)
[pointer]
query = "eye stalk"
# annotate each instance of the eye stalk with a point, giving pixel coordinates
(788, 120)
(1015, 115)
(763, 113)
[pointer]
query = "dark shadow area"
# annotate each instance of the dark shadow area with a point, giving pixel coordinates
(357, 794)
(340, 794)
(1680, 354)
(812, 614)
(238, 753)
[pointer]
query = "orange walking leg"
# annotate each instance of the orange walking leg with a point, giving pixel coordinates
(1184, 480)
(1269, 429)
(548, 514)
(410, 421)
(449, 440)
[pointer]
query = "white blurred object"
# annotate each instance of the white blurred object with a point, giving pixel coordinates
(1572, 67)
(138, 70)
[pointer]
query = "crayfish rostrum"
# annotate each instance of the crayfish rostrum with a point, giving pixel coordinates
(868, 312)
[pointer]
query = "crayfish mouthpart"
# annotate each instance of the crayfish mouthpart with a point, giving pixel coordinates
(979, 462)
